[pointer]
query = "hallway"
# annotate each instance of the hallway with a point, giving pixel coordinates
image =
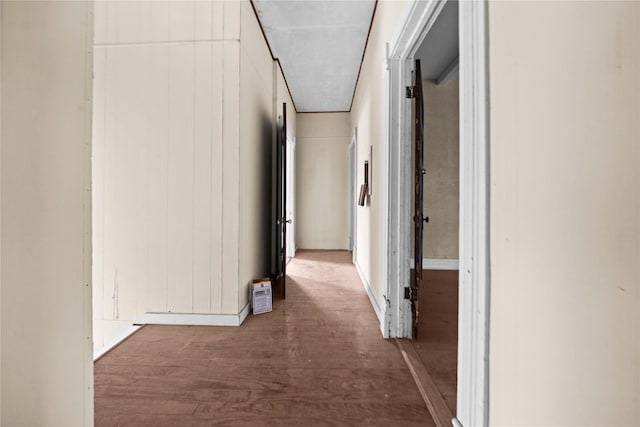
(317, 359)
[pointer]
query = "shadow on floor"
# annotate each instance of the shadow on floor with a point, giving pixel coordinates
(318, 359)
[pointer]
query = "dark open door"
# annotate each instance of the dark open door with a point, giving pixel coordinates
(418, 217)
(280, 200)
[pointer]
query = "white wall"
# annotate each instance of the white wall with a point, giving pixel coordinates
(440, 238)
(367, 115)
(257, 119)
(283, 96)
(0, 213)
(321, 180)
(166, 186)
(184, 99)
(46, 364)
(565, 213)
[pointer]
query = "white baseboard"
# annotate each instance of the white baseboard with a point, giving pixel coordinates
(114, 342)
(437, 263)
(367, 288)
(189, 319)
(186, 319)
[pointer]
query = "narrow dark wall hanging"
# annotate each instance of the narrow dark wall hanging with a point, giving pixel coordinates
(364, 188)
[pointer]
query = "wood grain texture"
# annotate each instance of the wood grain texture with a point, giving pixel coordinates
(428, 389)
(318, 359)
(437, 342)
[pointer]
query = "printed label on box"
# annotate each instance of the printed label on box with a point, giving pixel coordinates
(262, 298)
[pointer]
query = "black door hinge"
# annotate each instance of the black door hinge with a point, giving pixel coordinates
(409, 92)
(410, 295)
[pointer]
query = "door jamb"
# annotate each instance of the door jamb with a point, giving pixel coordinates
(351, 153)
(474, 279)
(291, 193)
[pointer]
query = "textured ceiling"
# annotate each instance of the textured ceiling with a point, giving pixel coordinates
(320, 44)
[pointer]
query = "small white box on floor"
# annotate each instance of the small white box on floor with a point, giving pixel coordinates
(261, 299)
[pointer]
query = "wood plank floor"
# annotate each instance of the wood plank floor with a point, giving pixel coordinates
(317, 360)
(437, 343)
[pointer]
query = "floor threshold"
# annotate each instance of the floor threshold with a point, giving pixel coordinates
(434, 400)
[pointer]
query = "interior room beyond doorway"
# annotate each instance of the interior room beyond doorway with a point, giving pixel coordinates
(436, 344)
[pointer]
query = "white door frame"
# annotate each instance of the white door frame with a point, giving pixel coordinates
(290, 209)
(473, 336)
(351, 169)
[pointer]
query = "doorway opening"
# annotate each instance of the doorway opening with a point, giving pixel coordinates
(471, 406)
(435, 236)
